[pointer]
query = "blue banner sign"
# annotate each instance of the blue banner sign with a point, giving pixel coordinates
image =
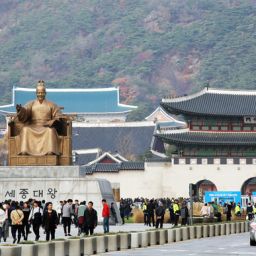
(222, 197)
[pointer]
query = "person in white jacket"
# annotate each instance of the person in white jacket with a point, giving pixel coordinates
(2, 220)
(205, 211)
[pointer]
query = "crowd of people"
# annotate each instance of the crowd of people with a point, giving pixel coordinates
(24, 217)
(211, 209)
(154, 210)
(21, 217)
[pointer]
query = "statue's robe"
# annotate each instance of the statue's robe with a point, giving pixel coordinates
(37, 137)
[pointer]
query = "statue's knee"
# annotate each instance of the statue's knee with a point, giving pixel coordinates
(52, 131)
(25, 130)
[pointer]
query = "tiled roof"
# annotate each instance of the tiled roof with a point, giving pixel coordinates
(214, 102)
(89, 101)
(127, 141)
(210, 138)
(102, 167)
(85, 170)
(171, 125)
(112, 167)
(82, 159)
(158, 145)
(132, 166)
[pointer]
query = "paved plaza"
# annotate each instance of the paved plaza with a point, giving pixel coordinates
(237, 245)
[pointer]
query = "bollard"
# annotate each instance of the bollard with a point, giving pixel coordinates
(227, 228)
(157, 237)
(184, 232)
(10, 250)
(222, 229)
(232, 228)
(134, 240)
(89, 247)
(152, 237)
(125, 241)
(211, 230)
(217, 229)
(60, 247)
(178, 235)
(198, 232)
(74, 246)
(246, 226)
(242, 226)
(205, 231)
(112, 243)
(162, 236)
(144, 239)
(238, 227)
(45, 248)
(28, 250)
(192, 232)
(171, 236)
(101, 244)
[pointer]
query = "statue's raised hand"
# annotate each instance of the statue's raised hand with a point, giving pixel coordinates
(18, 107)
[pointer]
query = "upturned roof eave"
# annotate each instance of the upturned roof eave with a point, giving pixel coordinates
(193, 141)
(178, 111)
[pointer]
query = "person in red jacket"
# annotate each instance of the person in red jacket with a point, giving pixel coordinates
(105, 215)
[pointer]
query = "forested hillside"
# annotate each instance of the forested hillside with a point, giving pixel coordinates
(150, 48)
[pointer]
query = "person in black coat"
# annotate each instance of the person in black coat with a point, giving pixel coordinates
(228, 209)
(160, 211)
(151, 209)
(50, 222)
(90, 219)
(249, 211)
(25, 222)
(122, 210)
(184, 214)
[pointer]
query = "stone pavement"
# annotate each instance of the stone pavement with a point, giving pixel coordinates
(237, 244)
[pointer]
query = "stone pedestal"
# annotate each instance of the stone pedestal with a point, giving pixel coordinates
(53, 183)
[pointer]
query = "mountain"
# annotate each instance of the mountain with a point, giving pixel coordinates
(150, 48)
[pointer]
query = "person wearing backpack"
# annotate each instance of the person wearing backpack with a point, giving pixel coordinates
(35, 219)
(80, 216)
(16, 218)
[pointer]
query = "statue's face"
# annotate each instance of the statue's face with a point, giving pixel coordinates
(40, 93)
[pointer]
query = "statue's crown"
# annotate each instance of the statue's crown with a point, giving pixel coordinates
(40, 83)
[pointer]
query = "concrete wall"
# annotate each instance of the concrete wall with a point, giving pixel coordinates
(166, 179)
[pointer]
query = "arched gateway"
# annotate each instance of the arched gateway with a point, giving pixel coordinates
(205, 185)
(249, 186)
